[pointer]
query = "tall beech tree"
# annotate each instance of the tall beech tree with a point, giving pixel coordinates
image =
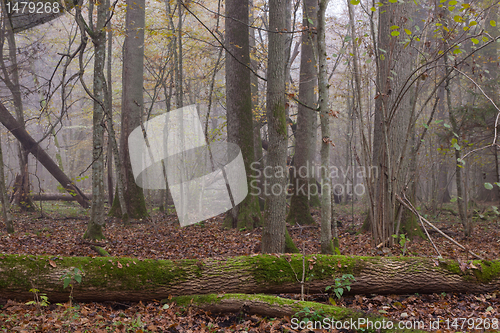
(239, 106)
(132, 107)
(306, 120)
(274, 231)
(393, 117)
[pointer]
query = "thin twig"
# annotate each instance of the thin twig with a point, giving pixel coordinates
(414, 211)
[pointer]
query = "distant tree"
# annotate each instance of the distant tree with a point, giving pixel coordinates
(132, 107)
(239, 106)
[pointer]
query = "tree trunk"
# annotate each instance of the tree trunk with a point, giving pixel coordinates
(132, 108)
(97, 221)
(392, 120)
(11, 79)
(324, 110)
(129, 279)
(303, 176)
(3, 196)
(274, 231)
(239, 108)
(30, 145)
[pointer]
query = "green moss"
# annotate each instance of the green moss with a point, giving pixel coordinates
(279, 113)
(98, 272)
(134, 199)
(289, 244)
(299, 210)
(270, 269)
(94, 231)
(490, 270)
(249, 215)
(327, 311)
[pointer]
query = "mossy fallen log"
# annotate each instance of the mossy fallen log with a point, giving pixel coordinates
(321, 315)
(132, 279)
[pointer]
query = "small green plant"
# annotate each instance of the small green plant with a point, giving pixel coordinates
(39, 299)
(76, 274)
(340, 284)
(307, 314)
(402, 242)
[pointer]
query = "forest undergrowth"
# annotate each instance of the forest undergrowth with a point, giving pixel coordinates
(59, 229)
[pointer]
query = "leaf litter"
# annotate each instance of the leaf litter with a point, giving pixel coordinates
(161, 237)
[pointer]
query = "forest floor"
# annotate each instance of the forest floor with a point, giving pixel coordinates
(59, 229)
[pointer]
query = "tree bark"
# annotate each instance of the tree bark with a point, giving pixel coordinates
(3, 196)
(132, 109)
(306, 120)
(97, 221)
(273, 306)
(239, 108)
(393, 116)
(129, 279)
(32, 146)
(274, 231)
(324, 111)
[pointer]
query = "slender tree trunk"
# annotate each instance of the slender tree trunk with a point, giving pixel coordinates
(239, 107)
(3, 196)
(461, 202)
(303, 181)
(324, 111)
(109, 154)
(179, 90)
(274, 231)
(97, 221)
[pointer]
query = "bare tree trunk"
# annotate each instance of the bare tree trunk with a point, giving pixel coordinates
(303, 181)
(274, 231)
(97, 221)
(324, 111)
(109, 155)
(132, 109)
(393, 117)
(239, 107)
(3, 196)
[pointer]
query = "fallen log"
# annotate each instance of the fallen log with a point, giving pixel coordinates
(56, 197)
(34, 148)
(129, 279)
(329, 317)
